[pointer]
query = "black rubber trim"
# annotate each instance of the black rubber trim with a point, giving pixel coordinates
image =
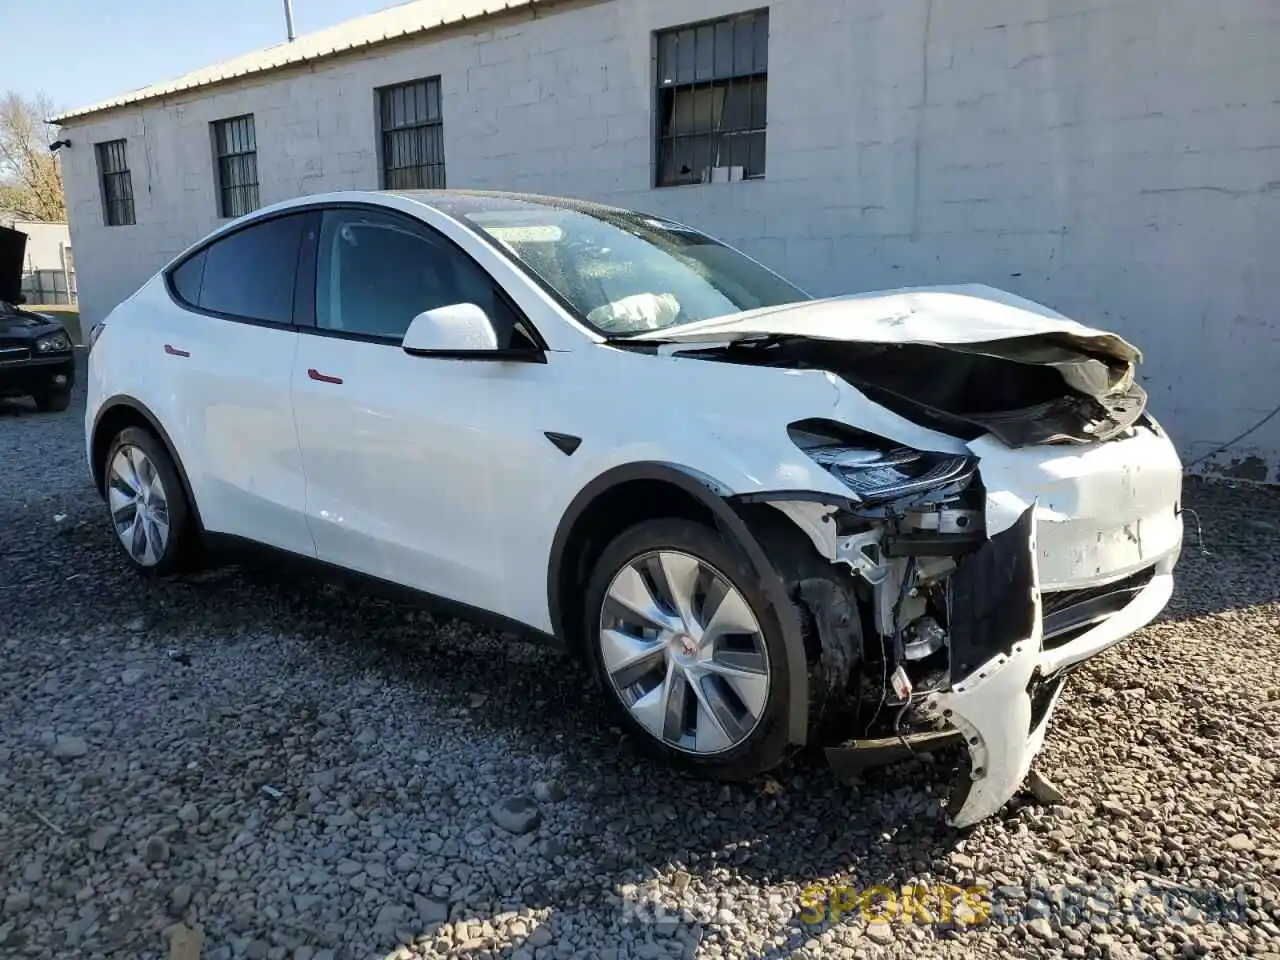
(797, 496)
(703, 490)
(518, 355)
(932, 544)
(992, 599)
(122, 400)
(850, 759)
(566, 443)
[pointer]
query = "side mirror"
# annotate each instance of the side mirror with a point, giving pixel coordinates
(459, 331)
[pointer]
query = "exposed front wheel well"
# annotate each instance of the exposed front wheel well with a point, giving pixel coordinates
(613, 511)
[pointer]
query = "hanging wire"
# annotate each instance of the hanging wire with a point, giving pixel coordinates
(1233, 441)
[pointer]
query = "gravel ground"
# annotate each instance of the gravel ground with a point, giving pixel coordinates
(252, 766)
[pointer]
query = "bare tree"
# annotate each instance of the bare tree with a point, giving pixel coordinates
(30, 179)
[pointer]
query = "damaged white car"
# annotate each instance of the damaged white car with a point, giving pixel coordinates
(888, 521)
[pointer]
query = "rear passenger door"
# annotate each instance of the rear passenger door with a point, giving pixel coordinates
(231, 351)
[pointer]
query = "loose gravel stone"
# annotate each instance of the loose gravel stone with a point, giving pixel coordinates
(1240, 843)
(156, 850)
(545, 791)
(1040, 929)
(881, 931)
(392, 735)
(180, 897)
(100, 837)
(516, 814)
(69, 748)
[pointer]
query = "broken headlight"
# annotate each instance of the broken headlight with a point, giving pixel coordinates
(878, 471)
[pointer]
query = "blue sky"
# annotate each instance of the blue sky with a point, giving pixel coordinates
(80, 51)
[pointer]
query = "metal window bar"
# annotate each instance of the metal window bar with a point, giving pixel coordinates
(117, 184)
(412, 135)
(236, 144)
(712, 95)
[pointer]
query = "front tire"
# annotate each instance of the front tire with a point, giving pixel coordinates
(53, 401)
(688, 650)
(150, 515)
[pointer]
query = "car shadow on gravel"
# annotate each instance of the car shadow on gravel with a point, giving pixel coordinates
(638, 820)
(634, 816)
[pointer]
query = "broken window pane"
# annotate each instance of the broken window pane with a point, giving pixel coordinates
(666, 58)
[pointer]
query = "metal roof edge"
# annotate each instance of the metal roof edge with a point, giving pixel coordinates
(189, 81)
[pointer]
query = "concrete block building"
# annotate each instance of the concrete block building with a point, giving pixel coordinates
(1118, 160)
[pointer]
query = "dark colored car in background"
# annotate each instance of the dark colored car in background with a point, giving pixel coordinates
(36, 356)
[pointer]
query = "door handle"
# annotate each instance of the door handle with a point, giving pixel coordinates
(173, 351)
(315, 374)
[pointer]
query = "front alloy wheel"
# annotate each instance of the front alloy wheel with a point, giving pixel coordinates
(684, 652)
(687, 648)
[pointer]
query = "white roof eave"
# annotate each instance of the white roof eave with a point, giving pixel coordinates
(384, 26)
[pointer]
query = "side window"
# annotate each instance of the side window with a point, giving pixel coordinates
(376, 272)
(186, 279)
(250, 273)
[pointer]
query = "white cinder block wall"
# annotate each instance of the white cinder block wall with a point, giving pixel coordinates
(1119, 161)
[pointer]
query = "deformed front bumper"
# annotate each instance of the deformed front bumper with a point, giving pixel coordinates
(1005, 679)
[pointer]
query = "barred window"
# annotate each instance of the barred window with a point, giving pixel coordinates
(117, 186)
(412, 135)
(235, 145)
(712, 85)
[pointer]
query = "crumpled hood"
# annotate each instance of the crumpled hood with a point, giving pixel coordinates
(13, 247)
(944, 315)
(952, 358)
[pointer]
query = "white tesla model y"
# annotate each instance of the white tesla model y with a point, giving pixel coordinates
(905, 514)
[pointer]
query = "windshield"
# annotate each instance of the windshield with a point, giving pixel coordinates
(625, 273)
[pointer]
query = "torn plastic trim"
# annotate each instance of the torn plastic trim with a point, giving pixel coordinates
(860, 551)
(989, 699)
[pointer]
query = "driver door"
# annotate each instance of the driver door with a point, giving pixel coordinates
(413, 464)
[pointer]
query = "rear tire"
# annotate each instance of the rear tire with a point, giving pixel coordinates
(149, 513)
(53, 401)
(688, 651)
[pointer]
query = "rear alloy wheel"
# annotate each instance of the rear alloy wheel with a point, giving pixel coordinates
(686, 647)
(148, 507)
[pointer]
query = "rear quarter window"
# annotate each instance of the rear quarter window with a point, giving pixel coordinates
(187, 277)
(248, 274)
